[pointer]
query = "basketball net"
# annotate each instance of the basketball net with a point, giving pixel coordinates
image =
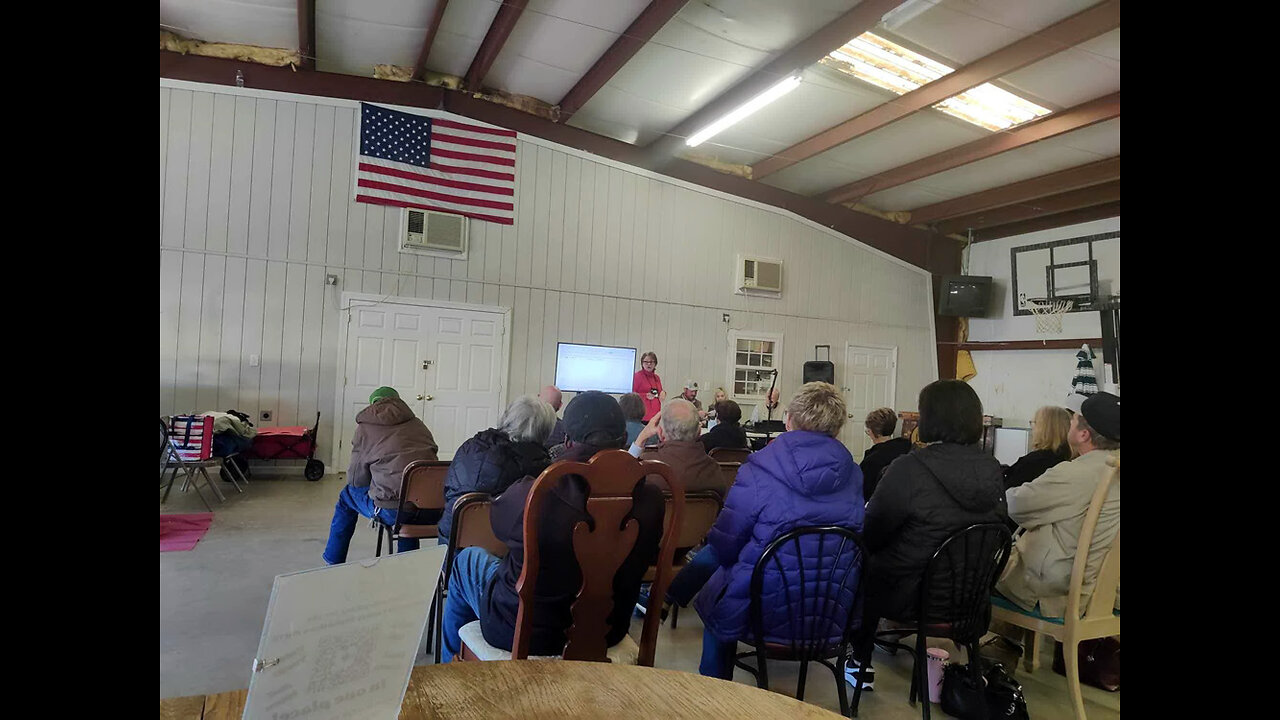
(1049, 315)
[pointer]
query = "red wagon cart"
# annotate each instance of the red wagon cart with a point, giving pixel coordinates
(289, 443)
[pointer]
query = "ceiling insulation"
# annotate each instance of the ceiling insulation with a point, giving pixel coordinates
(277, 57)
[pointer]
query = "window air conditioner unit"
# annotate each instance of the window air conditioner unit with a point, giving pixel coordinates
(434, 233)
(759, 275)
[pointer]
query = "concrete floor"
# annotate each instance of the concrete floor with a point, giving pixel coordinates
(213, 602)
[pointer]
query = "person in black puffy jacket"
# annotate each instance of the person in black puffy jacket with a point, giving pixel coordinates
(493, 459)
(1048, 447)
(923, 498)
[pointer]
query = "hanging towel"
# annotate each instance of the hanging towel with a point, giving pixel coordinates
(1085, 382)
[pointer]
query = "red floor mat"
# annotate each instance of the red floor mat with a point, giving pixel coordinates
(182, 532)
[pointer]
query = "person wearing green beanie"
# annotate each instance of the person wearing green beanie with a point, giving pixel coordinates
(382, 392)
(388, 437)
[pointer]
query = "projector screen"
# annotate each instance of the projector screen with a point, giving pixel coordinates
(594, 367)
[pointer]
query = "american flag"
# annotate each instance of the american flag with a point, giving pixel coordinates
(415, 161)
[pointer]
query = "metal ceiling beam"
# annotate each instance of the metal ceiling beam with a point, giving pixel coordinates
(801, 55)
(1075, 118)
(217, 71)
(1050, 205)
(433, 26)
(1048, 222)
(1078, 28)
(922, 248)
(1070, 179)
(307, 33)
(640, 31)
(503, 23)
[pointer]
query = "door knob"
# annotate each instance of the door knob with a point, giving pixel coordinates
(429, 398)
(420, 397)
(850, 417)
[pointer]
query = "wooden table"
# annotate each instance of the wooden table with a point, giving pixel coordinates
(550, 689)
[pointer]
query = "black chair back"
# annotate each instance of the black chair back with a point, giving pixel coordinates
(818, 602)
(957, 584)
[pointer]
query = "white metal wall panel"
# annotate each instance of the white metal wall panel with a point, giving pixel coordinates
(599, 254)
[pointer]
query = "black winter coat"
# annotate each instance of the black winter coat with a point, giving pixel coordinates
(489, 462)
(876, 459)
(923, 498)
(559, 577)
(724, 435)
(1032, 465)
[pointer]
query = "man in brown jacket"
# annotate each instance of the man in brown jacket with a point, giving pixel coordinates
(677, 427)
(388, 437)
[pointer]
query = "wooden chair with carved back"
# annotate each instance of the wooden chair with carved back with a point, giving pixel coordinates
(611, 477)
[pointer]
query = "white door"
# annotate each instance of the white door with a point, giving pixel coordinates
(870, 377)
(464, 377)
(446, 363)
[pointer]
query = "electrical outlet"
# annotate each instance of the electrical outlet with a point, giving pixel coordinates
(266, 414)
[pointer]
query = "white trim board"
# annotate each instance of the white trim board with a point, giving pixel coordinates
(340, 102)
(349, 299)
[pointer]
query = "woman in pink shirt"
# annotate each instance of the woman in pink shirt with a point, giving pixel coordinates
(648, 385)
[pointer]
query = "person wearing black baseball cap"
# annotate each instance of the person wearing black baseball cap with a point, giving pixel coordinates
(1051, 510)
(483, 587)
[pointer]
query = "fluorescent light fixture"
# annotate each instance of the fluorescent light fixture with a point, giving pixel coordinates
(744, 110)
(906, 12)
(890, 66)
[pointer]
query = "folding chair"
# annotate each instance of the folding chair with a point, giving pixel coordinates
(190, 442)
(421, 487)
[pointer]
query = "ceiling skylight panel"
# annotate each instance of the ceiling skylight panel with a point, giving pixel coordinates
(885, 64)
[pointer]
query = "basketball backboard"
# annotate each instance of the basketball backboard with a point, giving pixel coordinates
(1084, 270)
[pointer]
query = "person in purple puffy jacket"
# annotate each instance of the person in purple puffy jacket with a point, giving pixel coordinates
(804, 477)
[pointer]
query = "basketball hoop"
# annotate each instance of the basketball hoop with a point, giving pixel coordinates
(1049, 315)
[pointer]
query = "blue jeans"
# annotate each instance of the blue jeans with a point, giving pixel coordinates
(717, 657)
(352, 503)
(473, 571)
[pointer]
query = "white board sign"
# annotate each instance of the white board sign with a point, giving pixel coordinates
(1011, 444)
(339, 641)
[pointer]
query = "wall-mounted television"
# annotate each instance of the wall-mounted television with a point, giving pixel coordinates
(965, 296)
(594, 367)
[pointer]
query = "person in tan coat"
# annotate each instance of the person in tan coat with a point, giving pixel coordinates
(388, 437)
(1050, 511)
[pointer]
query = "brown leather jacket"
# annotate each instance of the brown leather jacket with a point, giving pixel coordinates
(388, 437)
(692, 465)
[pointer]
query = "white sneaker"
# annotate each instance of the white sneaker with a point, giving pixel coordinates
(853, 674)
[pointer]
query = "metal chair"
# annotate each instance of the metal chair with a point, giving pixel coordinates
(190, 439)
(1098, 620)
(737, 455)
(470, 528)
(611, 477)
(955, 603)
(421, 489)
(817, 606)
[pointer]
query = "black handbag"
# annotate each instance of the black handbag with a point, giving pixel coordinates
(1003, 694)
(1099, 663)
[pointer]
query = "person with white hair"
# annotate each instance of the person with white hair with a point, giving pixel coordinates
(493, 459)
(677, 428)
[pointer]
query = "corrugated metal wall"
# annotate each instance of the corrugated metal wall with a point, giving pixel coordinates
(255, 210)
